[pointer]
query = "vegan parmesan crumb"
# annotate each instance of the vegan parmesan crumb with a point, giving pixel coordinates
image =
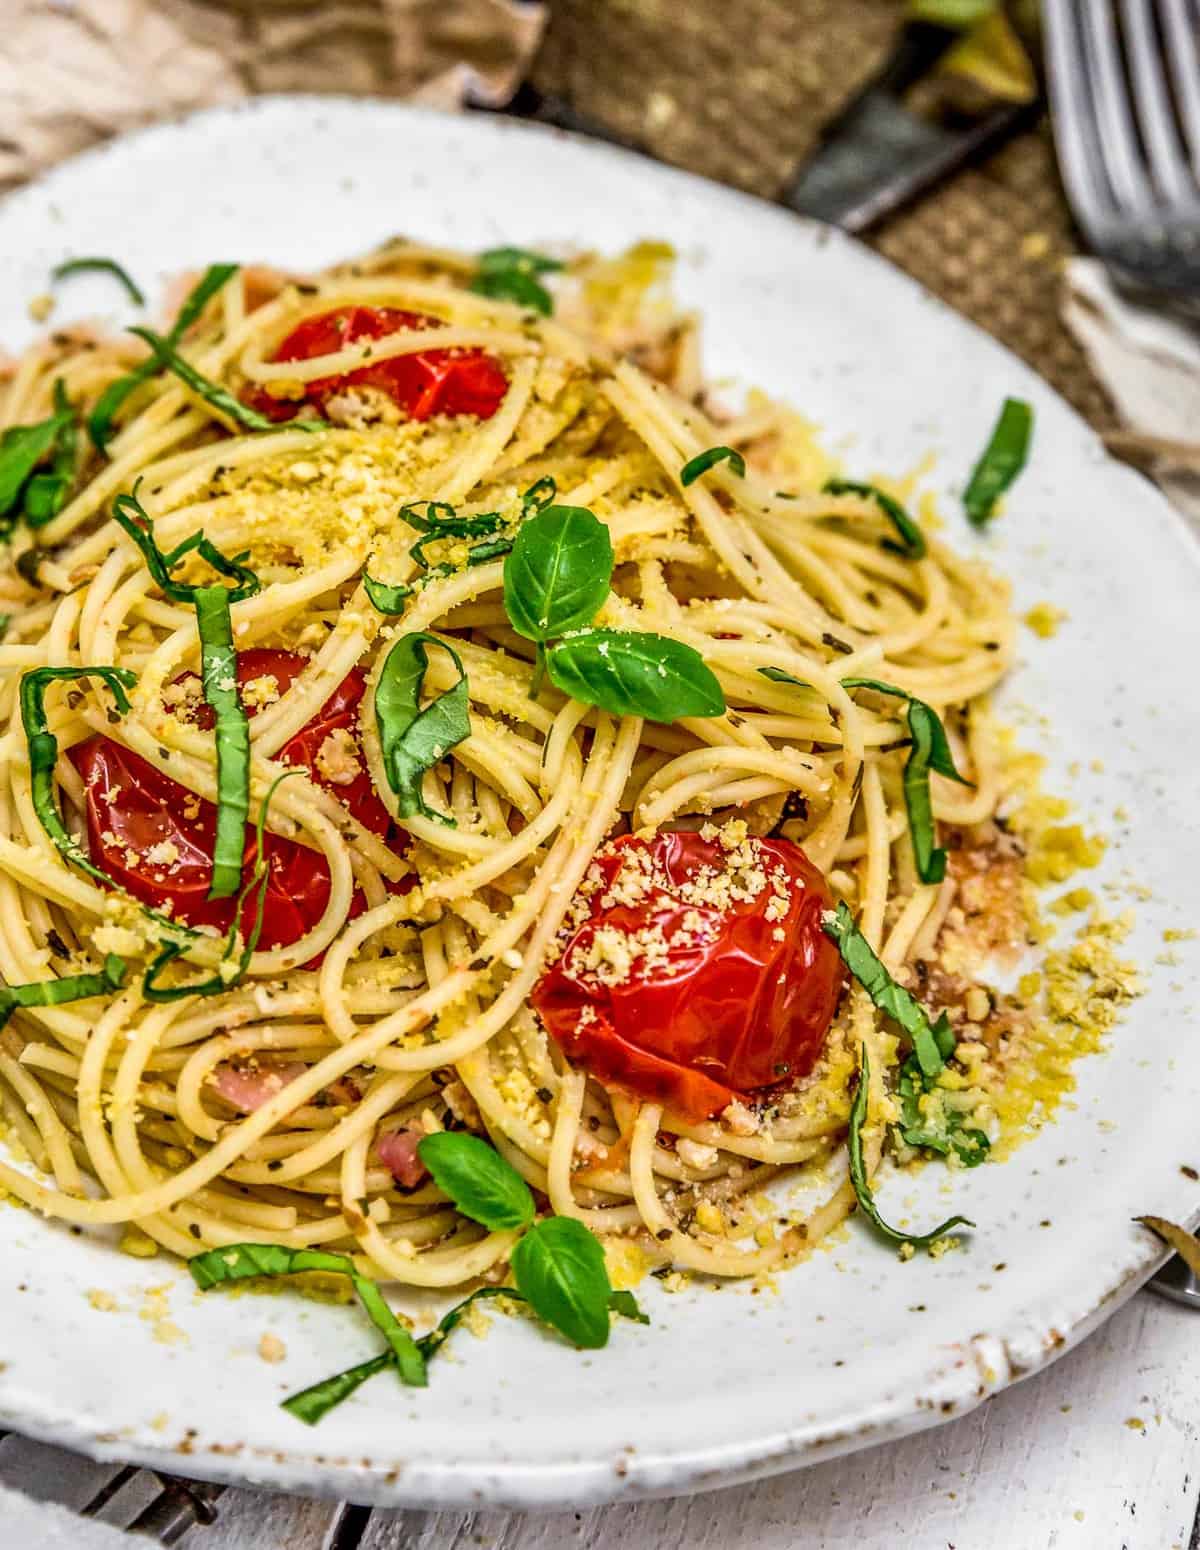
(271, 1348)
(1044, 619)
(103, 1302)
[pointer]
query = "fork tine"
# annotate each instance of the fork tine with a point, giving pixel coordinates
(1180, 35)
(1123, 161)
(1152, 103)
(1075, 135)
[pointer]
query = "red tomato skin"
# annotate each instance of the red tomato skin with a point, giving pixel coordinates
(133, 806)
(452, 382)
(740, 1013)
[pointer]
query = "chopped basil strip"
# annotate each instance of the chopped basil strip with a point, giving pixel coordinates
(631, 673)
(43, 750)
(413, 739)
(47, 492)
(436, 1338)
(78, 987)
(241, 1261)
(559, 1266)
(387, 597)
(439, 520)
(933, 1043)
(912, 540)
(313, 1403)
(132, 517)
(509, 274)
(703, 461)
(1003, 459)
(170, 951)
(477, 1179)
(108, 266)
(217, 396)
(930, 751)
(22, 448)
(218, 671)
(778, 676)
(942, 1131)
(557, 576)
(110, 402)
(858, 1173)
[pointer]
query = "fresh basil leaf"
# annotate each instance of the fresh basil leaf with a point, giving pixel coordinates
(215, 394)
(477, 1179)
(108, 266)
(77, 987)
(47, 492)
(944, 1135)
(498, 260)
(858, 1173)
(111, 401)
(625, 1303)
(559, 1266)
(631, 673)
(22, 448)
(387, 597)
(557, 576)
(413, 739)
(131, 516)
(218, 672)
(514, 285)
(912, 541)
(703, 461)
(928, 1040)
(318, 1400)
(1002, 460)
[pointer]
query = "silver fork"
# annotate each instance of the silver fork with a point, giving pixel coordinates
(1125, 92)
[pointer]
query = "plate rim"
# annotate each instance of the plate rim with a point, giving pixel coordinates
(951, 1386)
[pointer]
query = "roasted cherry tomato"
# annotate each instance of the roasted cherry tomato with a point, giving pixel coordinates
(694, 972)
(155, 838)
(455, 381)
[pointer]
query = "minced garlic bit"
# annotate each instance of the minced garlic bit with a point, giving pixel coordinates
(271, 1348)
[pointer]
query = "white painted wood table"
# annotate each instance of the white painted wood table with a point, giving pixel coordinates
(1097, 1453)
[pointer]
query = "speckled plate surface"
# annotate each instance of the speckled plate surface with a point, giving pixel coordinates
(856, 1346)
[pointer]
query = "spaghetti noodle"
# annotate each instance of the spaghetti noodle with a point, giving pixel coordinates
(412, 920)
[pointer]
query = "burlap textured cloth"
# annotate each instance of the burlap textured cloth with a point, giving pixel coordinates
(735, 91)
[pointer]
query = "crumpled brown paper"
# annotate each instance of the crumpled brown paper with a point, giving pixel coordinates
(73, 72)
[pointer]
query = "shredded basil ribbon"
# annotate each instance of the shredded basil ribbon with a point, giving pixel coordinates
(168, 358)
(258, 879)
(78, 987)
(912, 541)
(933, 1044)
(944, 1131)
(858, 1173)
(218, 667)
(43, 750)
(1002, 460)
(107, 266)
(386, 597)
(413, 739)
(440, 521)
(37, 496)
(930, 751)
(509, 274)
(110, 402)
(703, 461)
(46, 493)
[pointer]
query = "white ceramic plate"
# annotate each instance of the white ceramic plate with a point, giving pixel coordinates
(856, 1346)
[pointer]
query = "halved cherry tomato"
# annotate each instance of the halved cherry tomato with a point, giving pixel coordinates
(155, 838)
(684, 994)
(455, 381)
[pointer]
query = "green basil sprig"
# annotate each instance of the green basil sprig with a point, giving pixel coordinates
(168, 358)
(912, 541)
(243, 1261)
(480, 1182)
(703, 461)
(111, 401)
(930, 751)
(862, 1187)
(105, 265)
(1001, 461)
(77, 987)
(933, 1044)
(413, 739)
(218, 672)
(555, 580)
(510, 274)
